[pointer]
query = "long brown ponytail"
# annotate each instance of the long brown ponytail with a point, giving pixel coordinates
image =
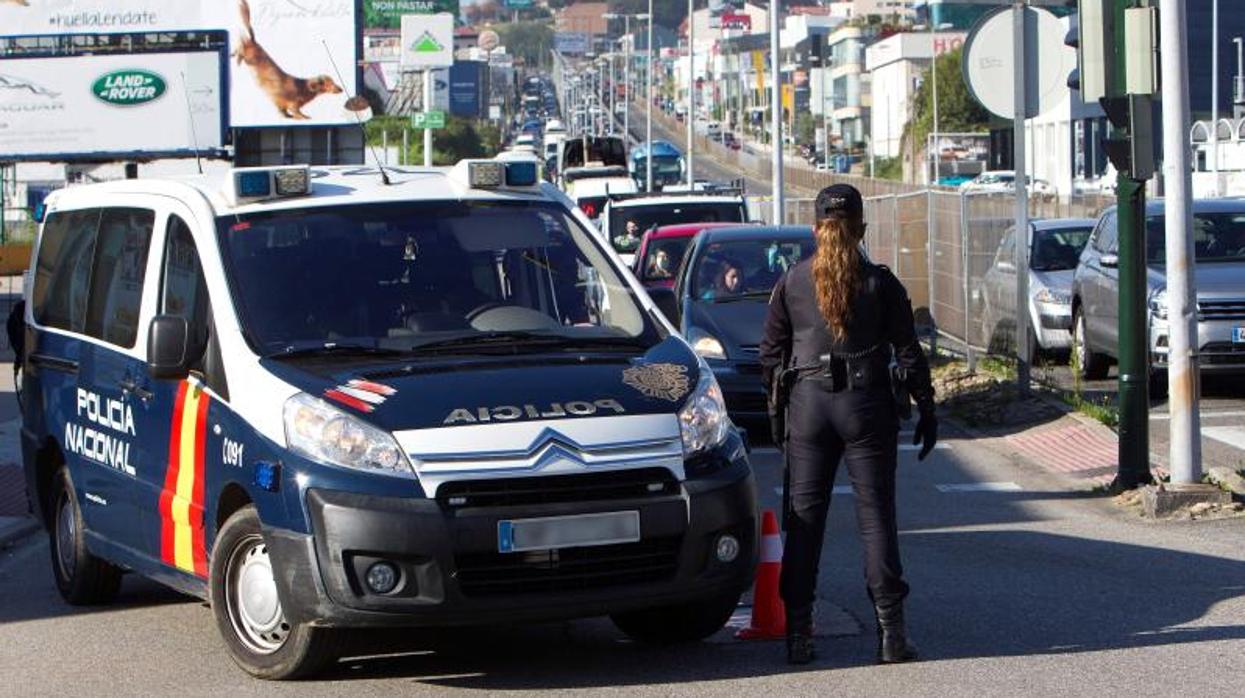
(837, 271)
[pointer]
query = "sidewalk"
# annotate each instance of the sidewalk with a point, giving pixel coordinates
(14, 521)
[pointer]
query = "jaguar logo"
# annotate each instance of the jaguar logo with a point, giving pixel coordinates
(11, 82)
(662, 381)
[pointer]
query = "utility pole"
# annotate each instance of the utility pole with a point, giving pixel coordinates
(648, 126)
(428, 91)
(691, 92)
(1214, 94)
(775, 103)
(1182, 360)
(627, 82)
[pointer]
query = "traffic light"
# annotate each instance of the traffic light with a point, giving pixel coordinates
(1092, 37)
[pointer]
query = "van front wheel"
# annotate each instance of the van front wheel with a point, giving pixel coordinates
(248, 611)
(667, 625)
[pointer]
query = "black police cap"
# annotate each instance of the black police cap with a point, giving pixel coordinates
(840, 201)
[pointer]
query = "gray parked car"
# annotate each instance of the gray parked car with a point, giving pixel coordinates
(1055, 246)
(1219, 242)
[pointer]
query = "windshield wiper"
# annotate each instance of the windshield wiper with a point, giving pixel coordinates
(520, 339)
(337, 348)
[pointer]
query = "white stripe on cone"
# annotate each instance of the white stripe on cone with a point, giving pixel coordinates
(771, 548)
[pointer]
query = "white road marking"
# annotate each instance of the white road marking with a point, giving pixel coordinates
(1206, 414)
(979, 487)
(838, 489)
(1232, 436)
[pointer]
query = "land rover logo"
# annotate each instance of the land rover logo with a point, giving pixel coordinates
(128, 88)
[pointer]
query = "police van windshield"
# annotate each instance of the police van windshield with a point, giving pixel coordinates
(410, 276)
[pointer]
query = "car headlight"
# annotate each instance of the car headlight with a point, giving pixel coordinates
(1158, 303)
(706, 345)
(703, 421)
(1047, 295)
(325, 434)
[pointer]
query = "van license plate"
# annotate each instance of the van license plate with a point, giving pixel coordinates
(568, 531)
(1238, 335)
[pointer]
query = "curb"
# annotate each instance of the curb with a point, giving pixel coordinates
(14, 529)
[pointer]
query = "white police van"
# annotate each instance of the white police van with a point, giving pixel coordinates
(326, 398)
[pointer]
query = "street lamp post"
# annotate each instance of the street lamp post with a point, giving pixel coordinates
(776, 111)
(1214, 93)
(648, 126)
(691, 93)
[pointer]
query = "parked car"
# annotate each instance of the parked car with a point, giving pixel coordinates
(662, 250)
(991, 181)
(1219, 269)
(720, 299)
(1055, 246)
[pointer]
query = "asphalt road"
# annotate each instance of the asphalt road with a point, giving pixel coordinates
(1025, 589)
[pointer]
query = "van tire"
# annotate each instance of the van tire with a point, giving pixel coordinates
(280, 651)
(668, 625)
(81, 578)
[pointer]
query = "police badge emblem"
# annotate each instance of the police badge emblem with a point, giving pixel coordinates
(664, 381)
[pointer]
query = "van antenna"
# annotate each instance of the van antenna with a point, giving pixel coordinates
(190, 114)
(384, 176)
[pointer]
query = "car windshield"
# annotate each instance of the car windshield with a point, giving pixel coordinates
(735, 269)
(1058, 249)
(1217, 237)
(398, 276)
(629, 223)
(662, 258)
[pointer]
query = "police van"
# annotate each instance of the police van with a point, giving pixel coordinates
(339, 397)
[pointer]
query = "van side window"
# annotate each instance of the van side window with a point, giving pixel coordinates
(183, 292)
(63, 269)
(120, 266)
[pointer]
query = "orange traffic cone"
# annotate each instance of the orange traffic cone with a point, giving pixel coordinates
(769, 617)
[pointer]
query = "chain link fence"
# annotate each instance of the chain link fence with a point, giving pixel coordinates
(944, 245)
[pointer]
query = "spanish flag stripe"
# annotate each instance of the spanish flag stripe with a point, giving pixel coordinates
(197, 547)
(170, 478)
(185, 482)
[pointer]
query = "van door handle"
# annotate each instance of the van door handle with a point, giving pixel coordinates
(129, 385)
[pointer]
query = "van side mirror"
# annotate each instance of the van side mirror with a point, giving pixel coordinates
(666, 302)
(169, 350)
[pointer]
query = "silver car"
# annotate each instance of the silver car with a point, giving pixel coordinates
(1219, 243)
(1054, 248)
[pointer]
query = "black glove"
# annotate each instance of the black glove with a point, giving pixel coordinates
(926, 432)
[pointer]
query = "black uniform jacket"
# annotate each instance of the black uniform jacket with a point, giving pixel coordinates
(796, 332)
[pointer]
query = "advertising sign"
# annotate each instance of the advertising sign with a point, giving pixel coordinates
(108, 105)
(467, 88)
(387, 14)
(518, 4)
(286, 55)
(427, 41)
(570, 43)
(718, 8)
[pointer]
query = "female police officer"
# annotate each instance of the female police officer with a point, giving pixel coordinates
(834, 322)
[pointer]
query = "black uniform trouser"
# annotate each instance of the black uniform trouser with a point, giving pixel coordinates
(861, 427)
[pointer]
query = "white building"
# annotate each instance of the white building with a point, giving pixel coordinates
(849, 9)
(896, 65)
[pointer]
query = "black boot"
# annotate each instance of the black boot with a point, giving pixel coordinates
(893, 644)
(800, 647)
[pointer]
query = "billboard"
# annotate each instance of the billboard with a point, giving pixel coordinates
(718, 8)
(286, 55)
(571, 43)
(387, 14)
(467, 85)
(108, 105)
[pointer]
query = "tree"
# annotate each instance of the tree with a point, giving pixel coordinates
(531, 41)
(958, 111)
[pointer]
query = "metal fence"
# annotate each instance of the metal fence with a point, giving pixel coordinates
(943, 244)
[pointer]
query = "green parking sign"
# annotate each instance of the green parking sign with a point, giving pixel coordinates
(428, 119)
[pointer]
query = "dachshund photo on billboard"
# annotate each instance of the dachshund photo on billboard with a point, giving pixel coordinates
(288, 93)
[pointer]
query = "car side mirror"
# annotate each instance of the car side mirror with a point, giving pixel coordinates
(666, 302)
(169, 348)
(1109, 260)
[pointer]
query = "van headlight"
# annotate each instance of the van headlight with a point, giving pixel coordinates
(703, 421)
(325, 434)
